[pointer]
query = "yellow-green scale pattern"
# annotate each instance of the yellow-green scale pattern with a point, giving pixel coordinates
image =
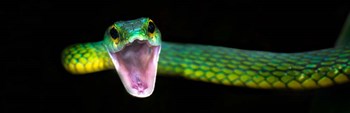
(85, 58)
(229, 66)
(256, 69)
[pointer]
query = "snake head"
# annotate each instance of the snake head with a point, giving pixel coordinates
(134, 48)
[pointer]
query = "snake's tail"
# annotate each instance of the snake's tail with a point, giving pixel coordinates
(86, 58)
(344, 37)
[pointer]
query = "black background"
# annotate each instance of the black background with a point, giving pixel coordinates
(37, 32)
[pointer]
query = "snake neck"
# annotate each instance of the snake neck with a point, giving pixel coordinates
(256, 69)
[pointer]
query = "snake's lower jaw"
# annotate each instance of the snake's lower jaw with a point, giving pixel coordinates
(136, 65)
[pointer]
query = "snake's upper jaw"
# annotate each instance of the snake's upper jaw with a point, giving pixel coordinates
(136, 65)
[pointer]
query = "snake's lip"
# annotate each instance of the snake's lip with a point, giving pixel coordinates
(136, 65)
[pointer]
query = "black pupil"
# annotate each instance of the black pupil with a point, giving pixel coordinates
(151, 27)
(114, 33)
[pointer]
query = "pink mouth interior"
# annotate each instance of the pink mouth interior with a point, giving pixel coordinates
(136, 65)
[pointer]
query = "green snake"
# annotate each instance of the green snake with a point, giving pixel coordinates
(134, 48)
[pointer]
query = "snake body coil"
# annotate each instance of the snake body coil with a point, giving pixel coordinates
(228, 66)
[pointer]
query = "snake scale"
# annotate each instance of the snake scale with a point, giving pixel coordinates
(212, 64)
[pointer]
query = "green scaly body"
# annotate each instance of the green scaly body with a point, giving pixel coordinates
(228, 66)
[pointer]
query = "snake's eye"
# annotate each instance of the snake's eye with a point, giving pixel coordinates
(114, 33)
(151, 27)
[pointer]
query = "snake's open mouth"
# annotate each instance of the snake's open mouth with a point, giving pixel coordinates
(136, 65)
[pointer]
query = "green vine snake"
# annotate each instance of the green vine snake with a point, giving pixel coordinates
(134, 48)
